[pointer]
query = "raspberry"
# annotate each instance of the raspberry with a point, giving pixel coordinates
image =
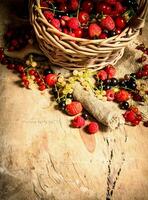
(94, 30)
(122, 95)
(129, 116)
(78, 122)
(49, 15)
(93, 127)
(74, 108)
(111, 71)
(108, 23)
(135, 122)
(51, 79)
(110, 95)
(102, 75)
(73, 23)
(56, 23)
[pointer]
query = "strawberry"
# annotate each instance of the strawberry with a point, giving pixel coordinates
(110, 95)
(103, 36)
(74, 108)
(102, 75)
(78, 32)
(119, 8)
(78, 122)
(110, 70)
(94, 30)
(56, 23)
(103, 7)
(51, 79)
(63, 7)
(48, 14)
(111, 2)
(87, 6)
(63, 20)
(120, 23)
(108, 23)
(73, 5)
(122, 95)
(73, 23)
(93, 127)
(83, 17)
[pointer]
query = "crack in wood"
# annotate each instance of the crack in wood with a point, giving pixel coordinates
(111, 185)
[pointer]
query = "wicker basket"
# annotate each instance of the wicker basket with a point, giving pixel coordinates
(84, 53)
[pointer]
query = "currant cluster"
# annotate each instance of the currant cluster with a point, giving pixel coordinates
(89, 18)
(142, 48)
(17, 38)
(133, 116)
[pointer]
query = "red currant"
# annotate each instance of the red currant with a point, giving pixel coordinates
(31, 72)
(11, 66)
(42, 87)
(145, 67)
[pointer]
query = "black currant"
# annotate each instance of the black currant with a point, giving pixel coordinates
(133, 75)
(70, 96)
(124, 105)
(62, 105)
(106, 87)
(107, 82)
(47, 71)
(132, 85)
(114, 82)
(55, 92)
(105, 31)
(85, 116)
(112, 33)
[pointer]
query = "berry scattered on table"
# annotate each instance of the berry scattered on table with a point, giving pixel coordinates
(74, 108)
(78, 122)
(92, 127)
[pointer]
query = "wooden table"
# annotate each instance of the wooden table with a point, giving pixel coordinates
(41, 157)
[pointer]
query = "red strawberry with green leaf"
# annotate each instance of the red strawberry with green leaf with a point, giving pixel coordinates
(108, 23)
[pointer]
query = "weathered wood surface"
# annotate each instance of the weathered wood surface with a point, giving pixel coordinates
(41, 157)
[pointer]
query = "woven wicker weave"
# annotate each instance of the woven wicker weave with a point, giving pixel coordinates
(84, 53)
